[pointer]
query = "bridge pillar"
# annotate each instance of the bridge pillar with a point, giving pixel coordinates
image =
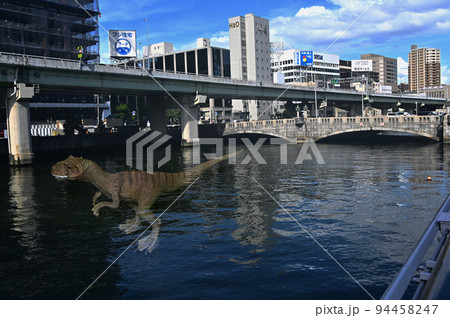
(446, 130)
(189, 121)
(157, 113)
(19, 128)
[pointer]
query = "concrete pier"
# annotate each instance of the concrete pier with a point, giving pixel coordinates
(189, 121)
(19, 129)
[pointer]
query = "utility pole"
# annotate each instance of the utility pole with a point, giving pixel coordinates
(315, 94)
(98, 109)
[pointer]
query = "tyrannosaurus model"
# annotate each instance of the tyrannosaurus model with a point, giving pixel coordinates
(136, 186)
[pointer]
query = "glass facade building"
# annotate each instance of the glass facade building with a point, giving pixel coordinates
(210, 61)
(204, 60)
(50, 28)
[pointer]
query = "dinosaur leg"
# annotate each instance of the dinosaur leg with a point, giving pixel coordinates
(114, 204)
(95, 198)
(149, 243)
(131, 225)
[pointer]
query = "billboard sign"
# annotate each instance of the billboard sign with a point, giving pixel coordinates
(122, 44)
(362, 66)
(306, 58)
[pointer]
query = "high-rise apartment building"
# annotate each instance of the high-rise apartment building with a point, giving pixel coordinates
(386, 68)
(250, 59)
(51, 28)
(424, 68)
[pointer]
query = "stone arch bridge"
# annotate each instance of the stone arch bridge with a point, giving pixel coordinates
(299, 129)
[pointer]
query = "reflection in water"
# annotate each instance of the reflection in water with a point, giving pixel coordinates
(21, 196)
(254, 224)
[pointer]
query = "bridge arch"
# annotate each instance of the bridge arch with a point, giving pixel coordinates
(424, 134)
(255, 133)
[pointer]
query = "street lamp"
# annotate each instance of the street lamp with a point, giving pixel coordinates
(139, 49)
(305, 111)
(146, 20)
(297, 108)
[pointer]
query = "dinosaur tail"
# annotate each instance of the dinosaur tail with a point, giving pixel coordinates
(194, 172)
(174, 181)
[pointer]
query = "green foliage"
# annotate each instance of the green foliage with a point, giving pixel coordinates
(287, 114)
(124, 112)
(173, 116)
(173, 113)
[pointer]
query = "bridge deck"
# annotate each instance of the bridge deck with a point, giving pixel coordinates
(64, 74)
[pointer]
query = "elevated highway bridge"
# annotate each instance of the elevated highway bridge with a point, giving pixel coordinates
(67, 76)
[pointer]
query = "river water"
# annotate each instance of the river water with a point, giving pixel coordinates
(226, 238)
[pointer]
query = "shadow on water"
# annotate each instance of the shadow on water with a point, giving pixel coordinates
(376, 138)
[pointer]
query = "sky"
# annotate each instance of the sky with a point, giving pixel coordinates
(348, 28)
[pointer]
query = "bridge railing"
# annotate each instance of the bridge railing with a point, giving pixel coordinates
(374, 120)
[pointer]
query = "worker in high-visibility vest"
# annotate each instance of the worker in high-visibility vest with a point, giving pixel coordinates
(80, 52)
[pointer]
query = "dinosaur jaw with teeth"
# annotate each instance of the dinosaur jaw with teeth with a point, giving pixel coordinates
(58, 177)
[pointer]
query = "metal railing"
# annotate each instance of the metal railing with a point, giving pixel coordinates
(397, 288)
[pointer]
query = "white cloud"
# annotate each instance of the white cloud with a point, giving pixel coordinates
(383, 22)
(187, 46)
(312, 11)
(402, 67)
(221, 39)
(444, 25)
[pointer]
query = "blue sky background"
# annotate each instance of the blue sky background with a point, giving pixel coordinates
(388, 28)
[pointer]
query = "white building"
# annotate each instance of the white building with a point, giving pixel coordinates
(250, 59)
(161, 48)
(287, 69)
(325, 68)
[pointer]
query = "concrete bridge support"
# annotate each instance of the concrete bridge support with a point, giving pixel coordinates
(189, 115)
(157, 114)
(19, 129)
(446, 129)
(189, 121)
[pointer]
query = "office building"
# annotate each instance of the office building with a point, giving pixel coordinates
(386, 68)
(203, 60)
(52, 28)
(161, 48)
(437, 92)
(424, 68)
(250, 60)
(325, 68)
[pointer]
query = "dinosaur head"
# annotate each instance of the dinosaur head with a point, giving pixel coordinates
(69, 169)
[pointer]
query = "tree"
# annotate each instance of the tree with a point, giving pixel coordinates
(124, 112)
(286, 114)
(173, 116)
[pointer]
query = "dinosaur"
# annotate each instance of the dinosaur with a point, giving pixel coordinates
(134, 186)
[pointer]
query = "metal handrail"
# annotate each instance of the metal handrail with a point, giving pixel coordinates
(398, 286)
